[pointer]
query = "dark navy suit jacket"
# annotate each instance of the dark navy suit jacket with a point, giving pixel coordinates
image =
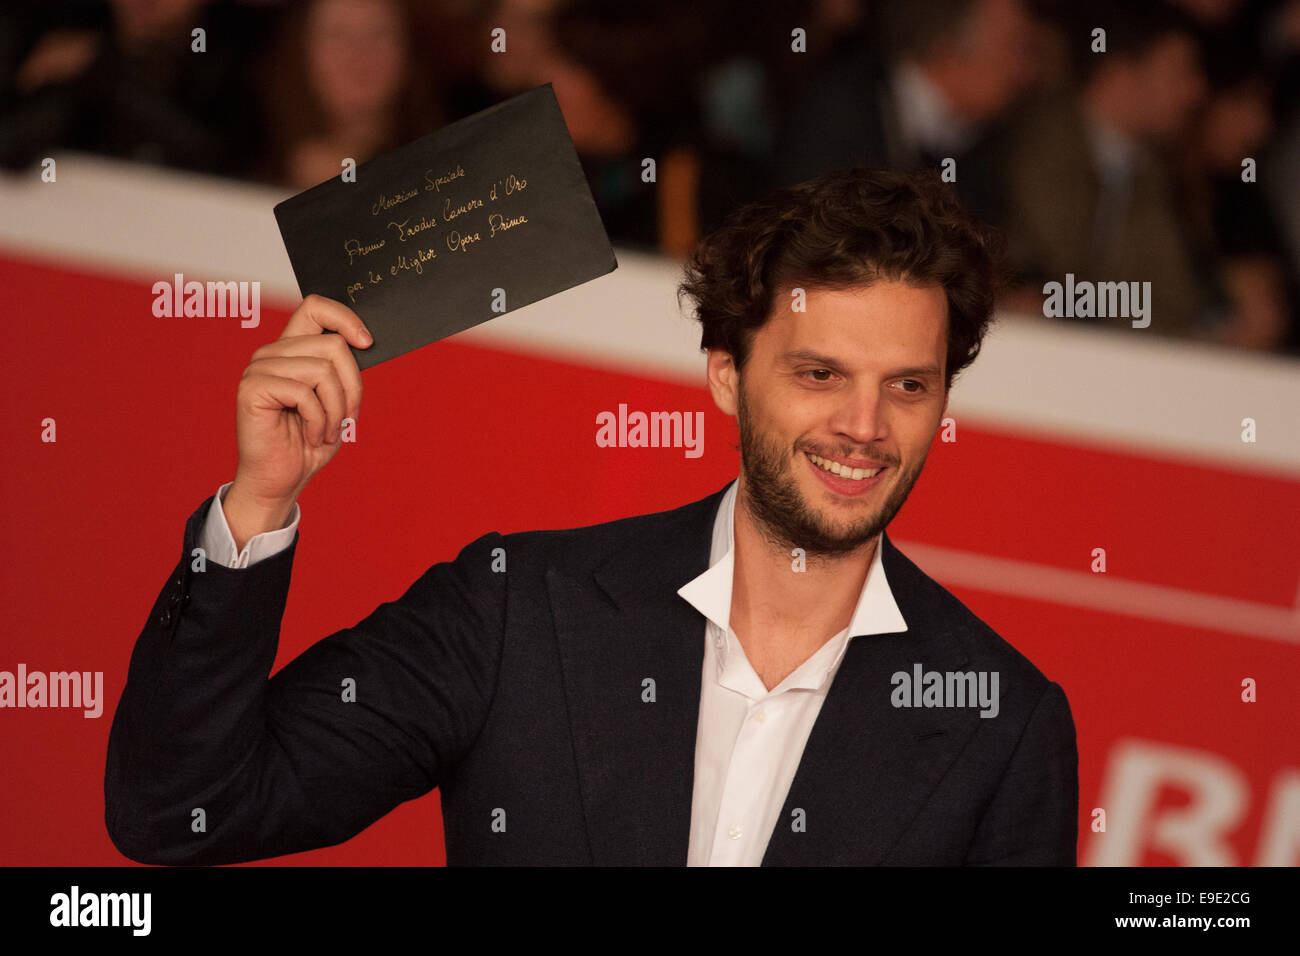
(520, 696)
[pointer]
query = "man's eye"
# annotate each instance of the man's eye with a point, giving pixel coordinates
(920, 386)
(819, 371)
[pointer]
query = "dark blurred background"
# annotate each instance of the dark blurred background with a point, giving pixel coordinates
(1117, 166)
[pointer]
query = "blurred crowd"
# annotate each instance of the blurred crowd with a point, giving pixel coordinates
(1165, 149)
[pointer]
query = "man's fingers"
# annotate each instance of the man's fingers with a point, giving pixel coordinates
(274, 392)
(331, 347)
(317, 373)
(318, 313)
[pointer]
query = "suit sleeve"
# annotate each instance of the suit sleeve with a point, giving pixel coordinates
(1033, 819)
(210, 762)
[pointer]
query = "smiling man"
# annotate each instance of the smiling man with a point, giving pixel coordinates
(757, 677)
(836, 410)
(836, 314)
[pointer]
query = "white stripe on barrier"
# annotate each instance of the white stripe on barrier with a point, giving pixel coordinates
(1104, 592)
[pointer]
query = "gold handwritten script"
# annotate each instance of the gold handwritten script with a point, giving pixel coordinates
(450, 212)
(406, 229)
(511, 184)
(409, 244)
(355, 287)
(435, 183)
(458, 243)
(500, 224)
(412, 261)
(388, 202)
(356, 249)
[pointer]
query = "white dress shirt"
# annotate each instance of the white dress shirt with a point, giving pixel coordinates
(748, 740)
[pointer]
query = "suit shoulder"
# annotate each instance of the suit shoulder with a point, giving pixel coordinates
(939, 608)
(588, 545)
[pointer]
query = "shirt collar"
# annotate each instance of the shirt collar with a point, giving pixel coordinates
(710, 593)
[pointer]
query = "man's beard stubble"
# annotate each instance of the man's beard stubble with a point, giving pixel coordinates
(782, 514)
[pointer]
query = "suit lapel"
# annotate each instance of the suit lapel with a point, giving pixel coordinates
(618, 629)
(868, 767)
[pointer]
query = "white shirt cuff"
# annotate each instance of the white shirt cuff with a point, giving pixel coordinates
(218, 543)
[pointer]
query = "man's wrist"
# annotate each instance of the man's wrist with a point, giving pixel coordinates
(248, 517)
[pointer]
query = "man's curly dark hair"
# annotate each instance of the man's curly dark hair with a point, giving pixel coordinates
(847, 228)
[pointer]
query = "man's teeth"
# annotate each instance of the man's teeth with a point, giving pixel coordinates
(835, 468)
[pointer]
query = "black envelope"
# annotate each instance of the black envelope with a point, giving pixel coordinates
(488, 214)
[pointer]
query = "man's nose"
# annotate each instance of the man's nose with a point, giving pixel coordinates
(860, 417)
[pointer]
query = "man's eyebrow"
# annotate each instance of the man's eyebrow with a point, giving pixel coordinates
(920, 371)
(806, 355)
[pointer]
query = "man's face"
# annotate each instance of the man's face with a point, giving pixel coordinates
(858, 379)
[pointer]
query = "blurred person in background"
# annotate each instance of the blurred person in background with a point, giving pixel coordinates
(344, 83)
(133, 85)
(749, 79)
(1280, 35)
(947, 72)
(602, 128)
(624, 74)
(1240, 244)
(1088, 180)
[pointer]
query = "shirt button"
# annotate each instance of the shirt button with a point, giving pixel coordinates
(165, 617)
(734, 831)
(761, 716)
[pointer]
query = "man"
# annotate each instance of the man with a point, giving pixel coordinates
(1089, 181)
(938, 87)
(723, 683)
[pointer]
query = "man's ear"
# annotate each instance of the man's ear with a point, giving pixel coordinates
(724, 380)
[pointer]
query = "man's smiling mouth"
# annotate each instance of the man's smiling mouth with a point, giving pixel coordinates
(842, 471)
